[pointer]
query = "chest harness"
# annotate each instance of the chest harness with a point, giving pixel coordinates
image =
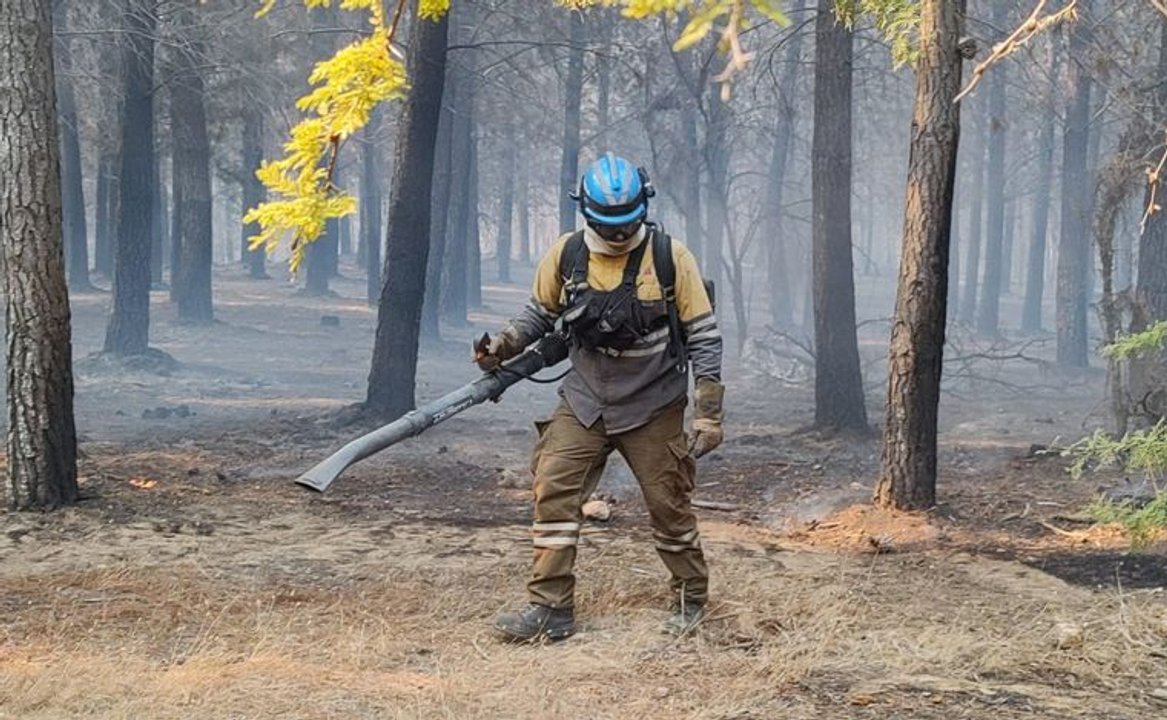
(618, 319)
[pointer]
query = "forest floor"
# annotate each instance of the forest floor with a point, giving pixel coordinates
(195, 580)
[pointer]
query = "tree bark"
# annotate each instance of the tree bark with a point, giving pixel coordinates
(371, 209)
(1035, 264)
(972, 259)
(473, 232)
(908, 460)
(253, 190)
(394, 367)
(192, 152)
(104, 217)
(717, 157)
(1074, 249)
(42, 439)
(128, 330)
(439, 219)
(456, 272)
(1151, 288)
(988, 313)
(691, 183)
(523, 198)
(572, 95)
(785, 126)
(320, 256)
(72, 181)
(839, 401)
(506, 213)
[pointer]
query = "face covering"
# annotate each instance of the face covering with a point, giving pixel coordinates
(614, 239)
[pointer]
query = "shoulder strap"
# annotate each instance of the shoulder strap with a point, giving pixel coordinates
(665, 264)
(632, 265)
(573, 261)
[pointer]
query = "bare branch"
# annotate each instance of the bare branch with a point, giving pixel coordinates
(1154, 177)
(1033, 26)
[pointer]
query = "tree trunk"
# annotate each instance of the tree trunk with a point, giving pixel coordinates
(785, 126)
(523, 198)
(1035, 265)
(717, 157)
(439, 218)
(572, 95)
(42, 440)
(988, 314)
(253, 190)
(908, 461)
(156, 226)
(691, 183)
(162, 222)
(455, 277)
(320, 256)
(394, 367)
(72, 182)
(838, 383)
(1151, 290)
(506, 214)
(1074, 249)
(473, 239)
(176, 215)
(972, 258)
(104, 217)
(128, 330)
(371, 209)
(192, 152)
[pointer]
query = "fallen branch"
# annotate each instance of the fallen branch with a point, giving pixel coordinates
(1153, 179)
(714, 505)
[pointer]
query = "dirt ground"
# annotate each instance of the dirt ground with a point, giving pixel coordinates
(195, 580)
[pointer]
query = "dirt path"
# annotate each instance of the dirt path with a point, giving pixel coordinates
(195, 581)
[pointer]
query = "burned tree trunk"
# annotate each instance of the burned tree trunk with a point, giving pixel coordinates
(838, 383)
(128, 330)
(253, 190)
(717, 158)
(972, 258)
(1074, 247)
(394, 367)
(573, 94)
(506, 213)
(192, 152)
(439, 219)
(320, 255)
(105, 215)
(989, 310)
(785, 125)
(42, 439)
(72, 182)
(691, 183)
(473, 236)
(1035, 264)
(371, 209)
(456, 271)
(908, 463)
(1151, 290)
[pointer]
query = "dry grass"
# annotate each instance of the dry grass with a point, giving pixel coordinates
(404, 633)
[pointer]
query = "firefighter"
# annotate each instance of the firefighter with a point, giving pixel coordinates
(640, 322)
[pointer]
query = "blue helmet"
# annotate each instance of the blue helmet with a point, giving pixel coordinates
(613, 191)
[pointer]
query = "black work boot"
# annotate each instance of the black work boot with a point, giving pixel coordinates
(536, 622)
(686, 615)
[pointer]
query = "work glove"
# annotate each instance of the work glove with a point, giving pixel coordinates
(490, 352)
(706, 432)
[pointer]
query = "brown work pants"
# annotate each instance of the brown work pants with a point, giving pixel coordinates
(566, 464)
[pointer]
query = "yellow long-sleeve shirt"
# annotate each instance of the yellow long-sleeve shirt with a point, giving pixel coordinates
(627, 388)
